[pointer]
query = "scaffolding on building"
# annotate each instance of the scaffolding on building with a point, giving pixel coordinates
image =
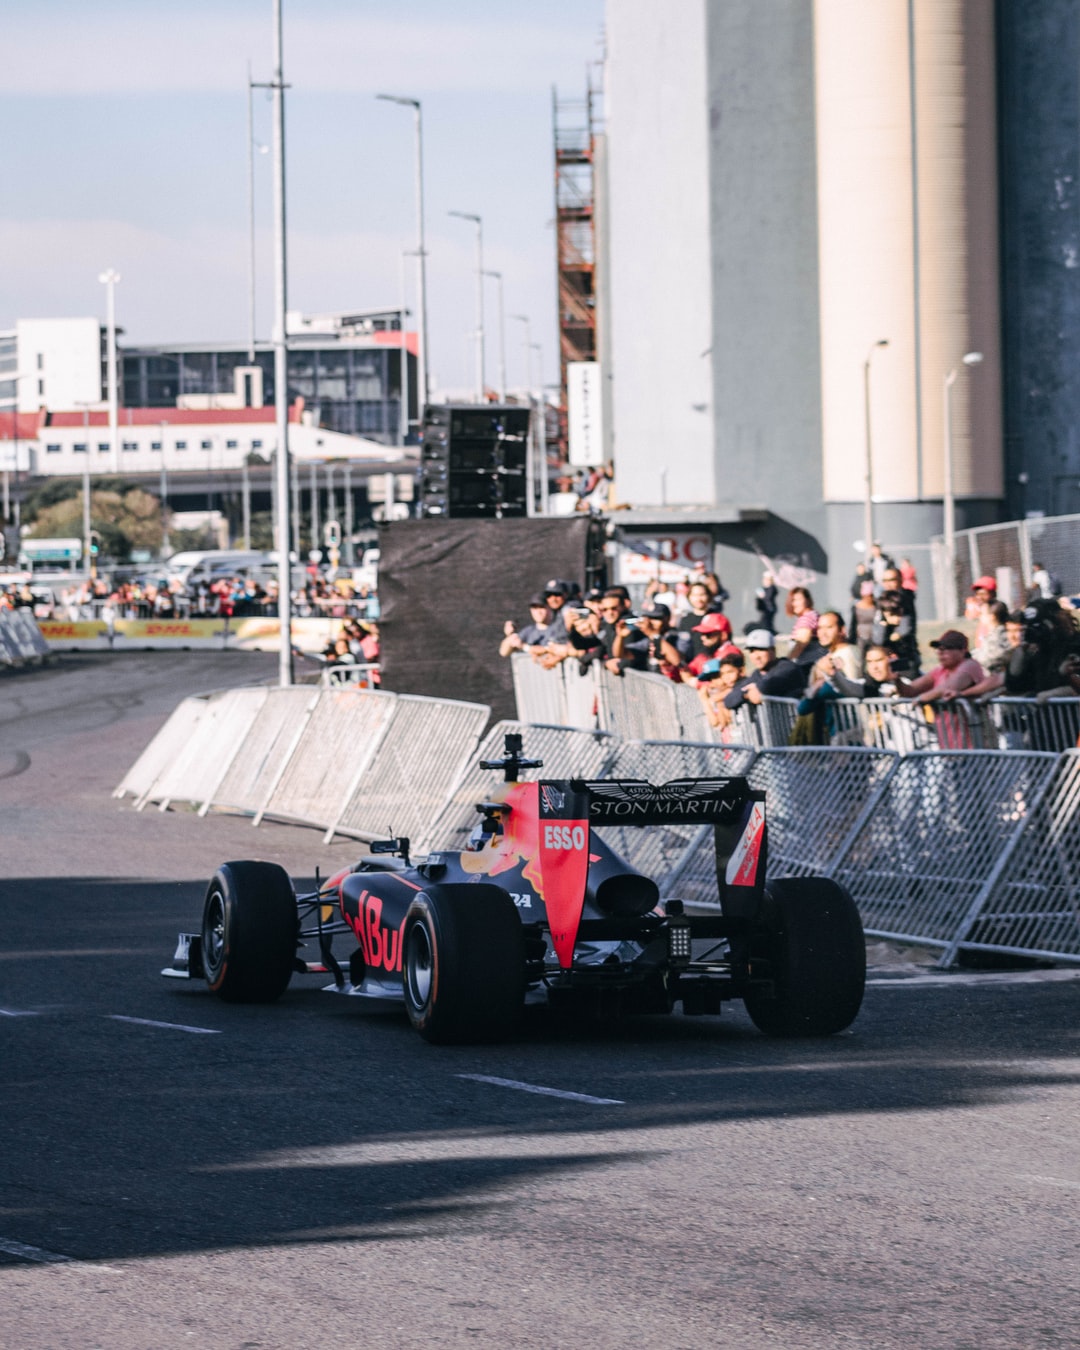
(574, 123)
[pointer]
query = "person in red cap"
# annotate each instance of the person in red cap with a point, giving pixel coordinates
(983, 593)
(714, 631)
(956, 671)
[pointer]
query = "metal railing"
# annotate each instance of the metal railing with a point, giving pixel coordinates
(21, 642)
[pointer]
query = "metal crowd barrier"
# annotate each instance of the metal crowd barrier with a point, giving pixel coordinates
(167, 744)
(20, 638)
(1029, 903)
(362, 674)
(422, 753)
(566, 752)
(199, 764)
(952, 849)
(922, 857)
(339, 738)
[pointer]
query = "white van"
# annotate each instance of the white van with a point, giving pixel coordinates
(210, 564)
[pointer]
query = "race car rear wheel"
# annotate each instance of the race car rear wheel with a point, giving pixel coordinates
(249, 932)
(463, 964)
(813, 942)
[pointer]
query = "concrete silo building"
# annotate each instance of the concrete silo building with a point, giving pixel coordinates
(789, 184)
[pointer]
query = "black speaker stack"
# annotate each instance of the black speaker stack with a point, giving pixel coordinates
(473, 461)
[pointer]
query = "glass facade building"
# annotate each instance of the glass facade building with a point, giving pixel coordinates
(349, 387)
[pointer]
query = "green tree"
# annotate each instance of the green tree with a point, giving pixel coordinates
(125, 519)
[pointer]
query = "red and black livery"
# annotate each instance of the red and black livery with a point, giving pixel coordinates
(539, 905)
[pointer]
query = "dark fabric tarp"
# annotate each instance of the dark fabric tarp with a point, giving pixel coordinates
(447, 587)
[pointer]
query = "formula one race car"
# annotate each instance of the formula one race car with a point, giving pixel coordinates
(537, 901)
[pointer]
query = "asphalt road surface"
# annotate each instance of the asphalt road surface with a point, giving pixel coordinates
(176, 1172)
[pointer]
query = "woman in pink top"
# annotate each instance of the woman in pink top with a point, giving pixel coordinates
(804, 619)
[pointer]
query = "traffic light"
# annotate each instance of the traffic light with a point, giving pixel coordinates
(95, 549)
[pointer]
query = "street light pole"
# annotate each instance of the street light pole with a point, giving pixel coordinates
(868, 472)
(541, 430)
(262, 149)
(281, 374)
(478, 222)
(86, 483)
(421, 250)
(165, 546)
(497, 276)
(108, 279)
(949, 492)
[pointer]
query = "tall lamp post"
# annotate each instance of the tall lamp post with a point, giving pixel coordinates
(252, 146)
(86, 479)
(478, 222)
(108, 279)
(497, 277)
(281, 393)
(166, 548)
(421, 252)
(949, 493)
(868, 472)
(541, 430)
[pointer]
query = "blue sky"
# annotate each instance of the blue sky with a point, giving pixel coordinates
(124, 146)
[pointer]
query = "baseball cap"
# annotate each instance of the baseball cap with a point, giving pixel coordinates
(713, 623)
(709, 671)
(656, 611)
(556, 587)
(984, 584)
(951, 640)
(538, 599)
(759, 639)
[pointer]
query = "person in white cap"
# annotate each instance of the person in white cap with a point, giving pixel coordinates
(772, 676)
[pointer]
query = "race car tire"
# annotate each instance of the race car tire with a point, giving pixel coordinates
(249, 932)
(463, 964)
(813, 942)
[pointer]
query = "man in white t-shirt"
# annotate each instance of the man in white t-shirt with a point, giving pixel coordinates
(956, 671)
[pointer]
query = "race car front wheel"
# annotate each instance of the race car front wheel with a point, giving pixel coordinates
(812, 943)
(463, 964)
(249, 932)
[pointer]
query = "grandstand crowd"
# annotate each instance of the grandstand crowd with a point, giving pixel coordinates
(788, 649)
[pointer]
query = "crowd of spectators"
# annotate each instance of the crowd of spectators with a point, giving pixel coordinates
(681, 632)
(169, 597)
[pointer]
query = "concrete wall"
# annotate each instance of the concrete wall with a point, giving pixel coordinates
(661, 268)
(766, 323)
(59, 361)
(1039, 108)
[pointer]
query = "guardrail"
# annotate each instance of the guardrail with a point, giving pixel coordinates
(642, 706)
(21, 642)
(954, 849)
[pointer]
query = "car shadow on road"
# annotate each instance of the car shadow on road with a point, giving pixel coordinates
(320, 1119)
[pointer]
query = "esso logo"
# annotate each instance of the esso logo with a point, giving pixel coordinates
(564, 836)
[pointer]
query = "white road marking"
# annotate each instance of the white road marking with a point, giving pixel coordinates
(31, 1253)
(976, 978)
(1050, 1181)
(542, 1091)
(17, 1012)
(169, 1026)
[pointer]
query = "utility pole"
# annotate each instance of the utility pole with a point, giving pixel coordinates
(281, 373)
(478, 222)
(108, 279)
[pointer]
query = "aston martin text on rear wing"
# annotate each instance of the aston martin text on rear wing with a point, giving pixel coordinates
(683, 801)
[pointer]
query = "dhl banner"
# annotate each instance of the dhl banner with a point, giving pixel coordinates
(309, 635)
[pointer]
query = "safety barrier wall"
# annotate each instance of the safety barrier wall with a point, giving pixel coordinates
(1030, 901)
(642, 706)
(566, 753)
(20, 638)
(422, 753)
(952, 849)
(198, 766)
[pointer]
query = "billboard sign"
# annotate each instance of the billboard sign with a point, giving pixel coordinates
(585, 413)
